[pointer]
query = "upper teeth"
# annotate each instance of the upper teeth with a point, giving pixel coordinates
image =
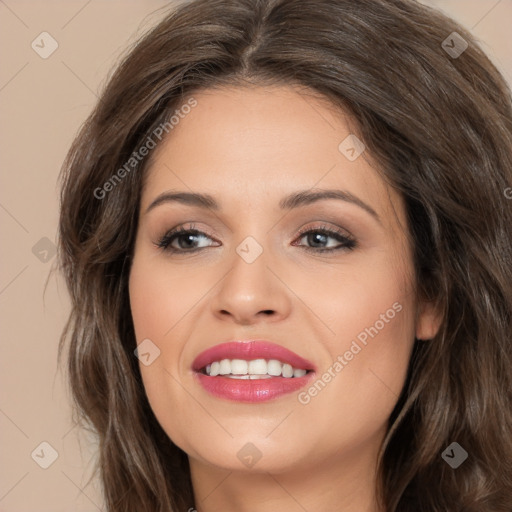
(257, 368)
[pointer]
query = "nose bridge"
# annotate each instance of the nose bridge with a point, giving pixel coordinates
(250, 289)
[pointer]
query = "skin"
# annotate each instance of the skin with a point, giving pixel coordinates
(249, 147)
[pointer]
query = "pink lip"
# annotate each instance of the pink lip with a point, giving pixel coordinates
(257, 390)
(254, 349)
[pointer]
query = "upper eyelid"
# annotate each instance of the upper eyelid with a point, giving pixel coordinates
(302, 232)
(323, 226)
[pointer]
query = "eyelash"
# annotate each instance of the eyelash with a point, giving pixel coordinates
(347, 243)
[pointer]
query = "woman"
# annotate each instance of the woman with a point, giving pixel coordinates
(286, 233)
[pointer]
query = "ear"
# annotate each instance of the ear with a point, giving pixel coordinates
(428, 320)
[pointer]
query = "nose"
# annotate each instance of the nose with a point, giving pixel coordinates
(251, 293)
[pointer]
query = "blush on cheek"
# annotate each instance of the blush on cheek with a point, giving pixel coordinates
(377, 355)
(149, 303)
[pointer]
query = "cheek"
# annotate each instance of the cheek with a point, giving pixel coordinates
(369, 297)
(370, 320)
(159, 299)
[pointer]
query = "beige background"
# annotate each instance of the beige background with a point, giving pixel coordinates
(43, 102)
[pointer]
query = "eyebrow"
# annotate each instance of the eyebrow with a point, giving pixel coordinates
(290, 202)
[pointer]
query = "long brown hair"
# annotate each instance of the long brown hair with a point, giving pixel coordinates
(440, 126)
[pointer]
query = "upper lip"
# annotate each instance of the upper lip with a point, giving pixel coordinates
(249, 350)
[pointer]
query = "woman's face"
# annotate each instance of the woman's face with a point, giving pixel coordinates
(330, 280)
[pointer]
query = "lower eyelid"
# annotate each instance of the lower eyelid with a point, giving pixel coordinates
(344, 244)
(345, 240)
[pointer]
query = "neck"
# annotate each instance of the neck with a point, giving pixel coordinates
(344, 483)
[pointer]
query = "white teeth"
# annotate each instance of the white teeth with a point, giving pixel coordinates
(251, 377)
(225, 367)
(255, 369)
(239, 367)
(274, 367)
(287, 370)
(214, 370)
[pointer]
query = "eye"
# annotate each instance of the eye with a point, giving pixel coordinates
(319, 239)
(185, 240)
(182, 239)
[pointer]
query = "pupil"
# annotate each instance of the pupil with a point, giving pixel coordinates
(188, 238)
(316, 236)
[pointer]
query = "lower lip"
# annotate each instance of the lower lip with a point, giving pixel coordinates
(251, 391)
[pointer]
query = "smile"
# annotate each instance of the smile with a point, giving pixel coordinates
(254, 369)
(251, 371)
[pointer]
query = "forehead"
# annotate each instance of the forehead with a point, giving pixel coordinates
(253, 145)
